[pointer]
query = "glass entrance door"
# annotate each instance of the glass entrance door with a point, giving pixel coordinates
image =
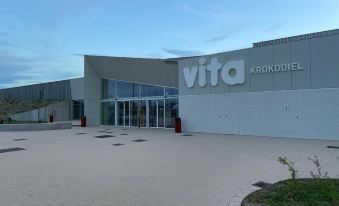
(153, 113)
(145, 113)
(138, 113)
(156, 113)
(123, 113)
(127, 114)
(161, 113)
(120, 113)
(142, 113)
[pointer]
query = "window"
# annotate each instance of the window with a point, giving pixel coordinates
(108, 89)
(127, 89)
(171, 91)
(151, 91)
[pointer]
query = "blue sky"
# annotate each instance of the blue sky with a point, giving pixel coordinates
(45, 40)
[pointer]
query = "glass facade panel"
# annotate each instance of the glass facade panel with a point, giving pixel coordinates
(138, 104)
(171, 112)
(171, 91)
(108, 113)
(151, 91)
(108, 89)
(127, 89)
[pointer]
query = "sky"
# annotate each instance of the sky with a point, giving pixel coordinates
(45, 40)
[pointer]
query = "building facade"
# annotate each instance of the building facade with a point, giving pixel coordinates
(65, 96)
(131, 92)
(286, 87)
(283, 88)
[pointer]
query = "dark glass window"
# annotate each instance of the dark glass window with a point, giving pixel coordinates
(171, 91)
(171, 113)
(108, 113)
(151, 91)
(127, 89)
(108, 89)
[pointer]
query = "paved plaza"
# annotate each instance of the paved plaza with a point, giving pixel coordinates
(80, 167)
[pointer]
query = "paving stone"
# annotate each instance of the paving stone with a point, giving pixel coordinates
(199, 170)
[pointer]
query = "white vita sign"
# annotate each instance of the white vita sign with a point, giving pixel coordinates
(232, 72)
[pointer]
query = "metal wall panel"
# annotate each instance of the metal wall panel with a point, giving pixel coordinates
(325, 62)
(243, 54)
(282, 80)
(261, 56)
(300, 52)
(51, 91)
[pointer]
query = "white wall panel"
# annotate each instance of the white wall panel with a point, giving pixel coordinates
(309, 114)
(320, 113)
(256, 112)
(194, 113)
(223, 114)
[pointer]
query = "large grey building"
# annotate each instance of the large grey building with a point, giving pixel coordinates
(285, 88)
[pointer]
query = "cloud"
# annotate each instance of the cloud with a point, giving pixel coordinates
(275, 26)
(26, 58)
(215, 11)
(217, 39)
(182, 53)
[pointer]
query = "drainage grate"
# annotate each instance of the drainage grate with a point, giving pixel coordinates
(333, 147)
(11, 149)
(19, 139)
(261, 184)
(139, 140)
(104, 136)
(123, 134)
(187, 135)
(118, 144)
(81, 133)
(125, 129)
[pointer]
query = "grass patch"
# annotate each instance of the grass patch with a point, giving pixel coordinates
(309, 192)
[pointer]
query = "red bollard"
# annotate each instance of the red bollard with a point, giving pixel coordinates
(177, 125)
(83, 121)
